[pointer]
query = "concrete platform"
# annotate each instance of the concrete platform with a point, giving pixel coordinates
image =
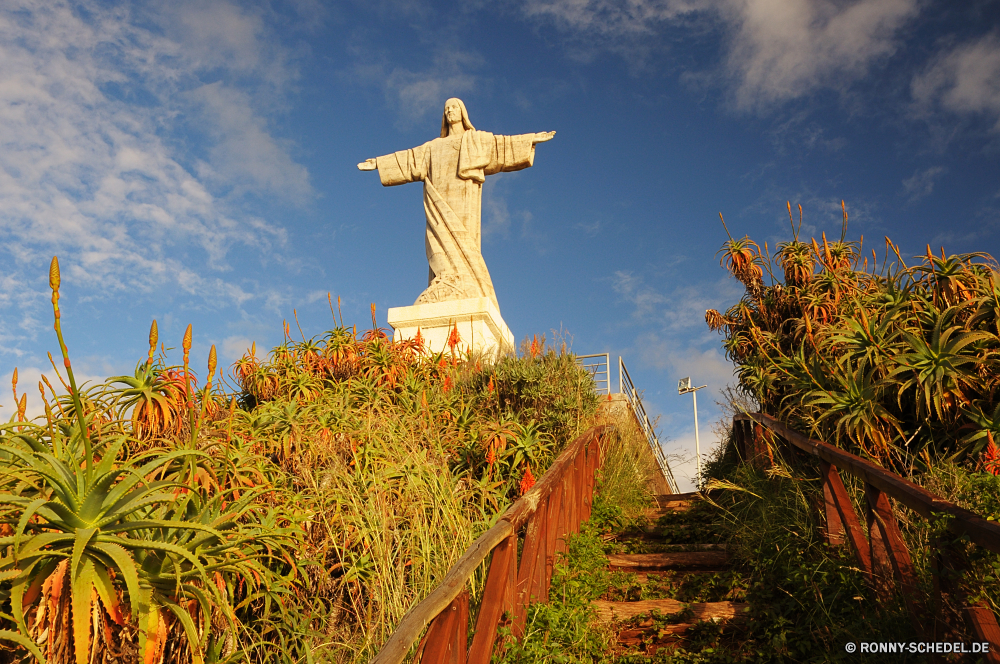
(478, 320)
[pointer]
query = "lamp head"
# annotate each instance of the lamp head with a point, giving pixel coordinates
(683, 385)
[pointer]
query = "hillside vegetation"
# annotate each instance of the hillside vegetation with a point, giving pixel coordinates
(893, 359)
(293, 518)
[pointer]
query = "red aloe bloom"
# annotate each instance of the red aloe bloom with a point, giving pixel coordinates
(991, 458)
(491, 455)
(490, 385)
(536, 348)
(447, 383)
(454, 339)
(527, 481)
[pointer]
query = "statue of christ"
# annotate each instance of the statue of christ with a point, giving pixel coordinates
(453, 169)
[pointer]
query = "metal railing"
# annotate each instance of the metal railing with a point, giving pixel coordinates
(598, 366)
(627, 387)
(883, 554)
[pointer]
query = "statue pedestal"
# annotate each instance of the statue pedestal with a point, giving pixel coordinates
(478, 320)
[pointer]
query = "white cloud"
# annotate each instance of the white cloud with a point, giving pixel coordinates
(922, 183)
(418, 94)
(244, 153)
(28, 378)
(707, 366)
(680, 453)
(235, 347)
(777, 50)
(613, 18)
(784, 49)
(495, 216)
(680, 309)
(964, 79)
(95, 165)
(634, 290)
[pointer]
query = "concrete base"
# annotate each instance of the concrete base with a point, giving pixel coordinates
(478, 320)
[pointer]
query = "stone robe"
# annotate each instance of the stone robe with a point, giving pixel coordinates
(453, 170)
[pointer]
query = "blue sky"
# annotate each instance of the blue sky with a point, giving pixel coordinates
(194, 162)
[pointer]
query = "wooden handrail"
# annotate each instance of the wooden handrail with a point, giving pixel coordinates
(566, 466)
(883, 553)
(984, 533)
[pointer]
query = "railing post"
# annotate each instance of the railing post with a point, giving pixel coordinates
(445, 641)
(948, 565)
(593, 450)
(896, 550)
(585, 481)
(983, 624)
(498, 596)
(563, 520)
(538, 587)
(835, 535)
(738, 438)
(551, 536)
(881, 571)
(577, 476)
(762, 457)
(526, 569)
(845, 511)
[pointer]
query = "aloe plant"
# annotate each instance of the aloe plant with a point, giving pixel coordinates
(887, 359)
(96, 536)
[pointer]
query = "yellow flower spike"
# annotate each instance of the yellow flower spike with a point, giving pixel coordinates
(154, 335)
(212, 362)
(54, 273)
(186, 344)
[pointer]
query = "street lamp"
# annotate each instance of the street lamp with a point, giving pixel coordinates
(683, 387)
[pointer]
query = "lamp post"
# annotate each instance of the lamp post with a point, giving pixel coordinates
(683, 387)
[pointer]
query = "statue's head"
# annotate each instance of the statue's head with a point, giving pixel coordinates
(453, 110)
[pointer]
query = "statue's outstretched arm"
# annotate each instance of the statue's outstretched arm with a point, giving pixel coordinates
(540, 137)
(369, 164)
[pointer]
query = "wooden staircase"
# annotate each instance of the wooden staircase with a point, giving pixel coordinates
(661, 573)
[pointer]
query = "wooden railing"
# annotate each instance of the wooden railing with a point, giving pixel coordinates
(884, 549)
(554, 508)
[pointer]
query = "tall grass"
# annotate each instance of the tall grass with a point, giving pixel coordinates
(807, 600)
(628, 473)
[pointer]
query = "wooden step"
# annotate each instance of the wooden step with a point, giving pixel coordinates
(670, 504)
(642, 578)
(635, 562)
(665, 499)
(717, 611)
(651, 528)
(654, 514)
(685, 548)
